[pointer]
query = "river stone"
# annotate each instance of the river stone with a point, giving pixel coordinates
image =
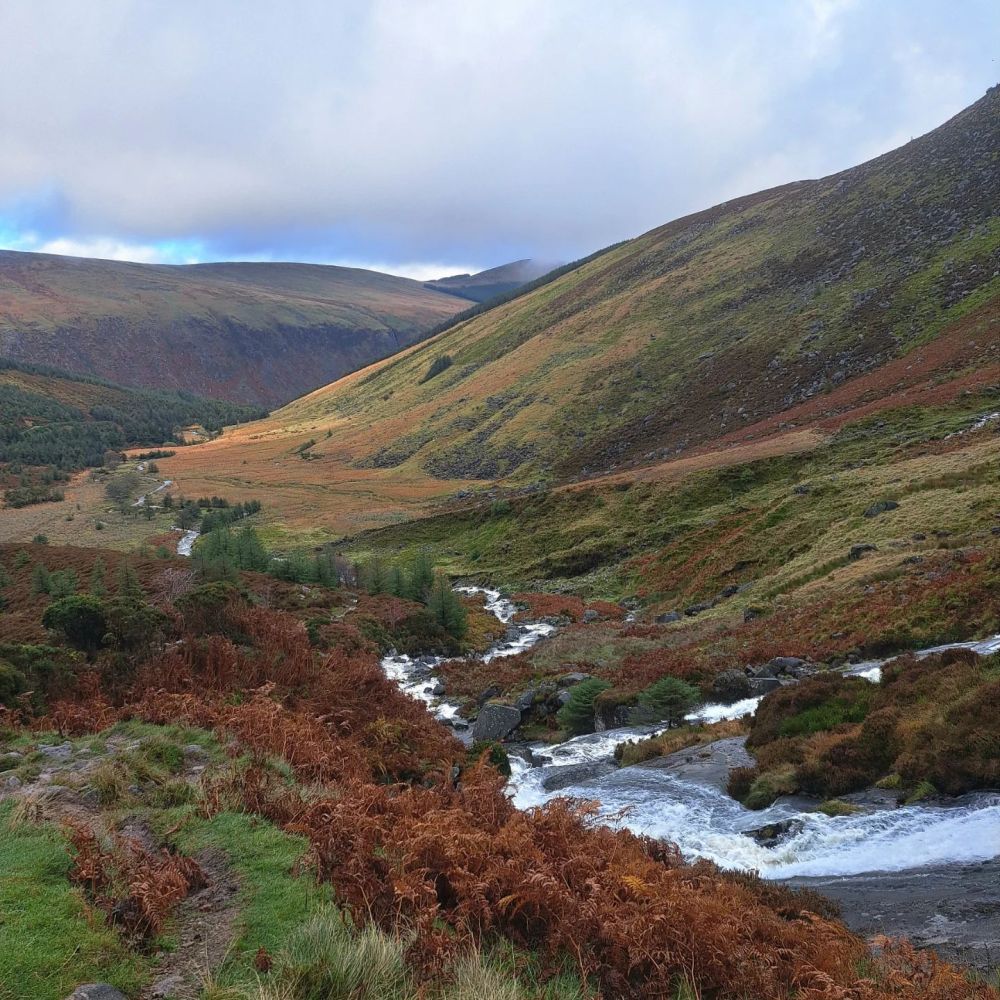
(790, 666)
(495, 721)
(772, 834)
(96, 991)
(762, 685)
(730, 686)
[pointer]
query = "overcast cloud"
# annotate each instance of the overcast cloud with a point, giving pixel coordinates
(425, 136)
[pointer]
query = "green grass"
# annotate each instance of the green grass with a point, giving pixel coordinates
(50, 941)
(275, 898)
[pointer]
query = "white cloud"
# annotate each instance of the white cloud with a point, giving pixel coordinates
(451, 129)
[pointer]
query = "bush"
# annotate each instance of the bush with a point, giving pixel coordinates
(81, 618)
(438, 365)
(577, 715)
(669, 699)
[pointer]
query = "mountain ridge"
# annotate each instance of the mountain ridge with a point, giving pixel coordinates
(255, 332)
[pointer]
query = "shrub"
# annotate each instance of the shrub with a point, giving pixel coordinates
(669, 699)
(577, 715)
(438, 365)
(81, 618)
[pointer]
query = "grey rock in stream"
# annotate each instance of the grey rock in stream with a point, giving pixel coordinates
(954, 909)
(706, 765)
(495, 721)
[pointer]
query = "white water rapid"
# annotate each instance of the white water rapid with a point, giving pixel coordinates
(700, 817)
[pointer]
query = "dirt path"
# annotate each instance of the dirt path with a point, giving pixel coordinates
(204, 926)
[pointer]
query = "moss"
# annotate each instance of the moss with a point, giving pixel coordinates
(837, 807)
(924, 790)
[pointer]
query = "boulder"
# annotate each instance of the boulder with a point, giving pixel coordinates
(495, 722)
(762, 685)
(573, 677)
(785, 664)
(862, 548)
(773, 834)
(751, 614)
(590, 616)
(526, 701)
(696, 609)
(880, 508)
(730, 686)
(668, 618)
(96, 991)
(802, 489)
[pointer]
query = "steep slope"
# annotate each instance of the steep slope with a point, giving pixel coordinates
(49, 417)
(486, 285)
(691, 337)
(251, 332)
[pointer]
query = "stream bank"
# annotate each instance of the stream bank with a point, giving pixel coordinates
(928, 870)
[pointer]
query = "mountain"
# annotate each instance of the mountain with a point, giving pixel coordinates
(259, 333)
(486, 285)
(706, 332)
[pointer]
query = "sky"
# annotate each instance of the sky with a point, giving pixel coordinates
(430, 137)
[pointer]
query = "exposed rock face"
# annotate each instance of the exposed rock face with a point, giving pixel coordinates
(495, 722)
(861, 549)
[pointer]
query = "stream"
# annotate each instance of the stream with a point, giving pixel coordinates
(930, 871)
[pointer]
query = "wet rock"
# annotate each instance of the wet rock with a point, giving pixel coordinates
(668, 618)
(496, 721)
(730, 686)
(574, 774)
(459, 723)
(788, 666)
(763, 685)
(772, 834)
(861, 549)
(437, 689)
(880, 508)
(96, 991)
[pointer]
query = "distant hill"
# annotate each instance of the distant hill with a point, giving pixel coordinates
(496, 281)
(53, 418)
(261, 333)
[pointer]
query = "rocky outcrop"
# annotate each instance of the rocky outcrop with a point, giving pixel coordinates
(495, 721)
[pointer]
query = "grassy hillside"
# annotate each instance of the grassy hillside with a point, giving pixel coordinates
(794, 309)
(261, 333)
